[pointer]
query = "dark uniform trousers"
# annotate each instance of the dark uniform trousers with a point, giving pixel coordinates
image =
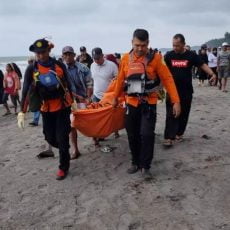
(177, 126)
(56, 128)
(140, 126)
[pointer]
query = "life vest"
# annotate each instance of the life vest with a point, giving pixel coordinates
(48, 85)
(137, 82)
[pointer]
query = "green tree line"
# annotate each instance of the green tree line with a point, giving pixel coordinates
(218, 41)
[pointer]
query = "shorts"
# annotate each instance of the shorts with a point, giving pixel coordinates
(223, 72)
(95, 99)
(203, 75)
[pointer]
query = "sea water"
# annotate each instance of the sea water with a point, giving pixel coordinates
(20, 61)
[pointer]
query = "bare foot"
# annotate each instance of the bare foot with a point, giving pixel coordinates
(75, 155)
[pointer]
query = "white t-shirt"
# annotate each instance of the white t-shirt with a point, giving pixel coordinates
(212, 60)
(102, 76)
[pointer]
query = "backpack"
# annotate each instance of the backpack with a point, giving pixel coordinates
(48, 85)
(138, 82)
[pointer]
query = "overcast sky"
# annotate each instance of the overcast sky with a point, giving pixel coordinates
(108, 24)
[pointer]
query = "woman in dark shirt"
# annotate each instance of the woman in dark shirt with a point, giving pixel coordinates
(202, 75)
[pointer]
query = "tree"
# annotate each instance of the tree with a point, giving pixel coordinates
(218, 42)
(227, 35)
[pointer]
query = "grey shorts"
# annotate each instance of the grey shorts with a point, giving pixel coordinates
(223, 72)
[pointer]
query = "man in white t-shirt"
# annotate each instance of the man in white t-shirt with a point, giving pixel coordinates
(103, 71)
(212, 62)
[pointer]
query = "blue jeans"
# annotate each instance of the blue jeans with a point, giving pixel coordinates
(36, 117)
(95, 99)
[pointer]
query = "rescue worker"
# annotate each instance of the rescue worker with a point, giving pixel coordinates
(51, 84)
(138, 74)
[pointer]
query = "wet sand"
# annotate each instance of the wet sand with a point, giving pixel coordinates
(190, 189)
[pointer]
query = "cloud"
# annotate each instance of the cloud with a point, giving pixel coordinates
(108, 24)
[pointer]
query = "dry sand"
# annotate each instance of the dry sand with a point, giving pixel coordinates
(190, 189)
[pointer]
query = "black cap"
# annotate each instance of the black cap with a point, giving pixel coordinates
(97, 53)
(39, 46)
(82, 49)
(204, 46)
(117, 55)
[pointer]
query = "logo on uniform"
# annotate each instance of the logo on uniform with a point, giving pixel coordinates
(179, 63)
(39, 44)
(47, 79)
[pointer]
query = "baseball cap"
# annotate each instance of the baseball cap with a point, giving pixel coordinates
(117, 55)
(39, 45)
(97, 53)
(82, 49)
(68, 49)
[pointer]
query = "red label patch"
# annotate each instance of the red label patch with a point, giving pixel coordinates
(180, 63)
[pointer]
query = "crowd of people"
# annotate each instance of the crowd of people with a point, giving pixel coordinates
(216, 58)
(53, 88)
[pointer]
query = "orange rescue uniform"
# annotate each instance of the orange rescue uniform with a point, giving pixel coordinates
(155, 68)
(54, 105)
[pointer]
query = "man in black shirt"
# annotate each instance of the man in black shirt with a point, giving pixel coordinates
(180, 62)
(84, 57)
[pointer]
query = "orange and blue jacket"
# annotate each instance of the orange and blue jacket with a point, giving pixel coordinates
(156, 67)
(51, 105)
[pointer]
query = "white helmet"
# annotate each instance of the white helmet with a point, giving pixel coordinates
(225, 44)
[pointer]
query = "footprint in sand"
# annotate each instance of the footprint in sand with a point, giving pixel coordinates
(24, 198)
(23, 174)
(134, 226)
(205, 137)
(178, 164)
(213, 158)
(42, 187)
(52, 209)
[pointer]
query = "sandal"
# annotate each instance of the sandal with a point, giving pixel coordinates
(45, 154)
(75, 156)
(116, 135)
(106, 149)
(168, 143)
(179, 139)
(96, 142)
(6, 114)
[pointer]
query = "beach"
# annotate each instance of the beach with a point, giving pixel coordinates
(190, 189)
